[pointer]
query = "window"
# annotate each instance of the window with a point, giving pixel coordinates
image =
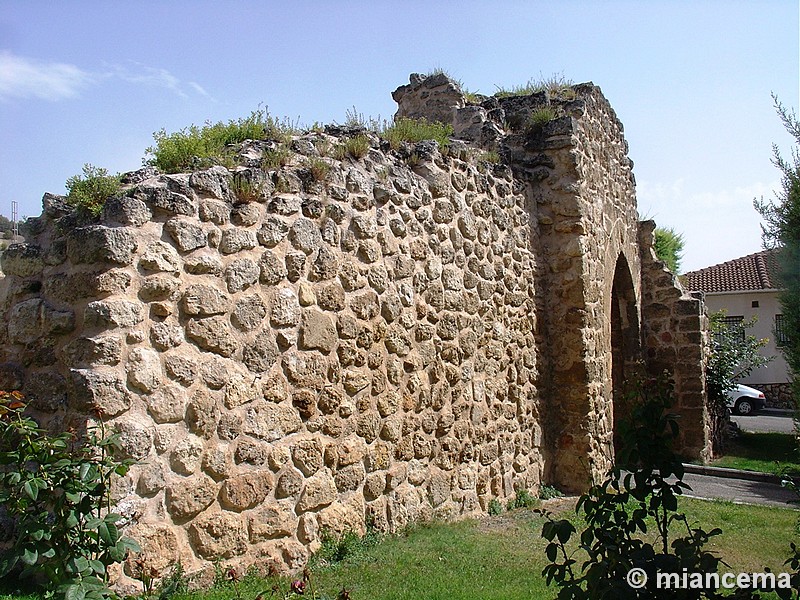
(731, 327)
(754, 304)
(781, 333)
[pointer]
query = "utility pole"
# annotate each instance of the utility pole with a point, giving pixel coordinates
(14, 224)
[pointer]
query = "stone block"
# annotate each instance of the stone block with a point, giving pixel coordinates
(218, 535)
(144, 369)
(23, 260)
(317, 331)
(319, 491)
(246, 490)
(212, 334)
(187, 235)
(97, 244)
(186, 497)
(113, 313)
(272, 522)
(160, 257)
(241, 274)
(167, 405)
(205, 300)
(271, 422)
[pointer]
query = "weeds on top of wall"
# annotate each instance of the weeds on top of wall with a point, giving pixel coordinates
(57, 490)
(557, 85)
(417, 130)
(91, 189)
(197, 147)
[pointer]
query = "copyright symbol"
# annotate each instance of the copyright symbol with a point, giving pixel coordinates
(636, 578)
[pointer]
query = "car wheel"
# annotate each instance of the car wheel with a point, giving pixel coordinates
(744, 407)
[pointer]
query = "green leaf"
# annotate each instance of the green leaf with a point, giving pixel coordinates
(97, 567)
(30, 556)
(31, 489)
(108, 532)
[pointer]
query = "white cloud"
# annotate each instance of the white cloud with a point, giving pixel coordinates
(22, 77)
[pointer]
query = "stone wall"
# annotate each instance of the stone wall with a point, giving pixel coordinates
(358, 347)
(413, 335)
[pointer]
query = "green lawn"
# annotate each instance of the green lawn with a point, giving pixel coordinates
(765, 452)
(502, 557)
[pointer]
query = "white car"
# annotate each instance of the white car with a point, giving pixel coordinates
(743, 400)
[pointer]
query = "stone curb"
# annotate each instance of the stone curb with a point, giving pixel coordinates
(732, 473)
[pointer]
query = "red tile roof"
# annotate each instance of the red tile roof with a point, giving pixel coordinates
(757, 271)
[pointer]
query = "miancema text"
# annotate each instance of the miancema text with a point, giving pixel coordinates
(686, 580)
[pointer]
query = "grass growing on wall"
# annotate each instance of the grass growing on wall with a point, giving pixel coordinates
(197, 147)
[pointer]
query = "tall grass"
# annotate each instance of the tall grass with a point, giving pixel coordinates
(198, 147)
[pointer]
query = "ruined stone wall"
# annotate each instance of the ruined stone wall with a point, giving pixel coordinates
(675, 328)
(412, 334)
(359, 347)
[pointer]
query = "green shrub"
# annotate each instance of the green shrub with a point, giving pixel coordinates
(90, 190)
(57, 489)
(490, 156)
(548, 492)
(274, 158)
(417, 130)
(494, 508)
(245, 189)
(632, 518)
(347, 546)
(522, 499)
(196, 147)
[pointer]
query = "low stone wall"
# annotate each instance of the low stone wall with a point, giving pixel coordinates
(778, 395)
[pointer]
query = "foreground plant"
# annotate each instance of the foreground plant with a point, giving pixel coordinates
(641, 490)
(57, 490)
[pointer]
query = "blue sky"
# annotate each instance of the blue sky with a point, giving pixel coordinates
(89, 82)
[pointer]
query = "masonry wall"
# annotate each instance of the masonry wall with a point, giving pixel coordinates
(361, 347)
(412, 335)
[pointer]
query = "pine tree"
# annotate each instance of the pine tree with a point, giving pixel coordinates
(781, 231)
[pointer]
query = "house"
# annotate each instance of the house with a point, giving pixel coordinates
(745, 288)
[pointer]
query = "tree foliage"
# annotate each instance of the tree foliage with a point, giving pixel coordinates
(669, 247)
(734, 355)
(781, 231)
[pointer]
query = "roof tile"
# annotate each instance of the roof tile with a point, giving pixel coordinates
(750, 273)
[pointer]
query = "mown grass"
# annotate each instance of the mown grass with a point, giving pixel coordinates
(503, 556)
(765, 452)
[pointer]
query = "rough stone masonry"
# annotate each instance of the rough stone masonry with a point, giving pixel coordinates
(414, 335)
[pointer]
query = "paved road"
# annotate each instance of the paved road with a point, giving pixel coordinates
(739, 490)
(766, 421)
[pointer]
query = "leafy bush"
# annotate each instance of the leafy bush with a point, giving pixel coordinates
(347, 546)
(417, 130)
(522, 499)
(548, 492)
(640, 492)
(90, 190)
(494, 508)
(668, 246)
(57, 490)
(734, 355)
(196, 147)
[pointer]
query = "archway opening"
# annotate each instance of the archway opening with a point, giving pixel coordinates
(625, 342)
